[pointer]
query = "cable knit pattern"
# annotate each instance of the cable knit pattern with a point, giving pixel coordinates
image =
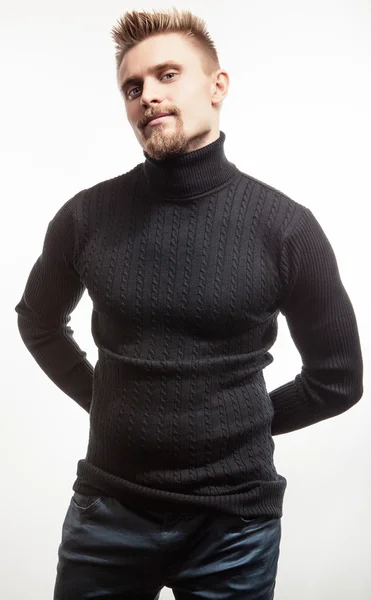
(188, 262)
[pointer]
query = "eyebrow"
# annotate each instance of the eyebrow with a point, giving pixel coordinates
(169, 64)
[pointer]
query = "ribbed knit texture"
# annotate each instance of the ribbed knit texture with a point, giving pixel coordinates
(188, 262)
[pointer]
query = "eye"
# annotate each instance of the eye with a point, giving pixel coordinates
(129, 93)
(137, 87)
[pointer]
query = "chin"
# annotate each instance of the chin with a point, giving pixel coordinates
(162, 143)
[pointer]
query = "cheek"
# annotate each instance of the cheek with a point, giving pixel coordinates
(132, 116)
(194, 107)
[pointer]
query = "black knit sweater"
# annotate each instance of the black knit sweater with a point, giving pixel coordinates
(188, 262)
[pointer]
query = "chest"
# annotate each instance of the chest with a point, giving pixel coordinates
(200, 266)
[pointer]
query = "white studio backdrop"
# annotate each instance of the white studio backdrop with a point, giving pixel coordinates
(298, 118)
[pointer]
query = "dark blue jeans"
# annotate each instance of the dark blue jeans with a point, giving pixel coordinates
(112, 552)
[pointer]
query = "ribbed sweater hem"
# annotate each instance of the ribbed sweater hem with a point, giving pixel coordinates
(250, 499)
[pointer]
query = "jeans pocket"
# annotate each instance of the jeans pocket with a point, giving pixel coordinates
(253, 519)
(85, 504)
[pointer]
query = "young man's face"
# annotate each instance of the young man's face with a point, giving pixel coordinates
(182, 89)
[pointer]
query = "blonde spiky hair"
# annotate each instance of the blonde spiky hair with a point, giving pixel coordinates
(134, 27)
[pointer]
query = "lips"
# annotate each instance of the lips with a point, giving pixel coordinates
(158, 116)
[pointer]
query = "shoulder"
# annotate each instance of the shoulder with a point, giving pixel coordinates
(100, 196)
(282, 211)
(108, 185)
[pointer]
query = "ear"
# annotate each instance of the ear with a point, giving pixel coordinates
(220, 86)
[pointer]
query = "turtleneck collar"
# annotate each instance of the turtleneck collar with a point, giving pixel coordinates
(189, 174)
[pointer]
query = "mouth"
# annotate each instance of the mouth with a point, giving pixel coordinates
(158, 119)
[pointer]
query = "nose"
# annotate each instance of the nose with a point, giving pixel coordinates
(151, 93)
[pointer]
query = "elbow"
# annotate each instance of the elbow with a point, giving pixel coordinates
(337, 401)
(356, 383)
(353, 396)
(357, 393)
(23, 324)
(353, 382)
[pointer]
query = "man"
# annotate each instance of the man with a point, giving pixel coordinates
(188, 262)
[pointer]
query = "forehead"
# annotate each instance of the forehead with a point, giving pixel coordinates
(157, 49)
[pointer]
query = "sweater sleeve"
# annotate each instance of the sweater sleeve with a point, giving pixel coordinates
(52, 292)
(323, 326)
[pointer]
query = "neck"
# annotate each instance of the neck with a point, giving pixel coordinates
(190, 174)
